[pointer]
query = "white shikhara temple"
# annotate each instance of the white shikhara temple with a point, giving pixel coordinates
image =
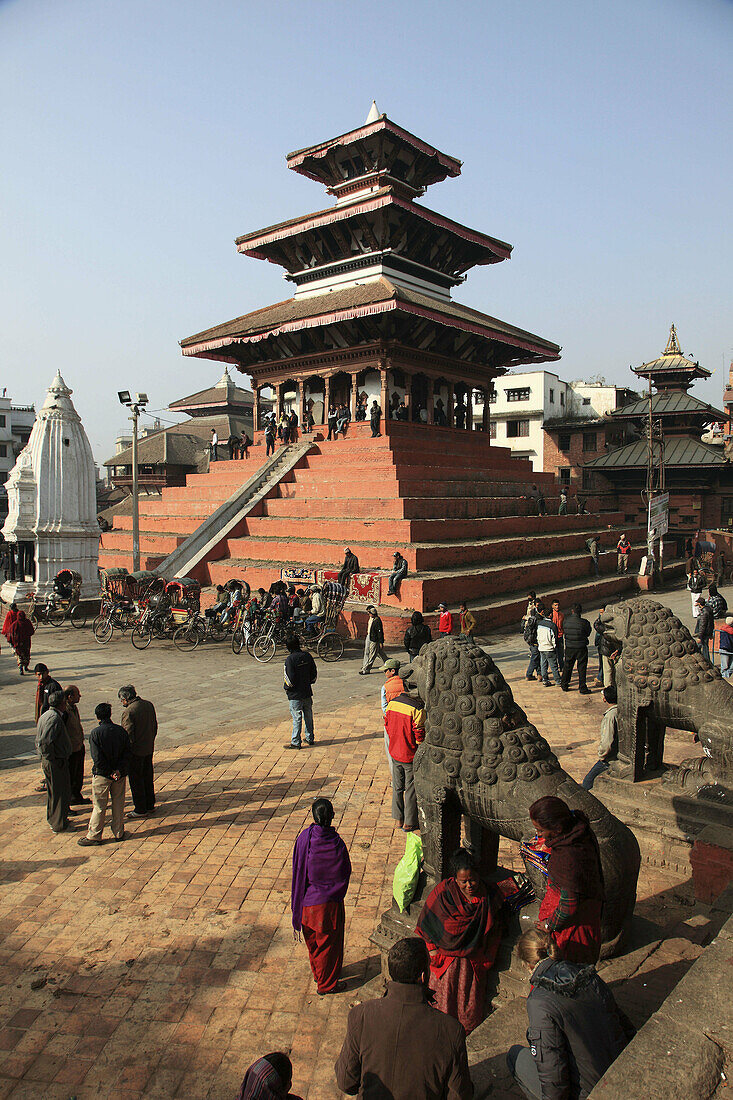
(52, 507)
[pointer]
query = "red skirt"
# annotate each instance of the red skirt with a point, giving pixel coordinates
(460, 991)
(323, 932)
(580, 942)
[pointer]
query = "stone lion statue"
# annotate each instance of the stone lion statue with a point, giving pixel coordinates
(483, 759)
(663, 680)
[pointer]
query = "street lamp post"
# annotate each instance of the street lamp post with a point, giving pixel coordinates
(141, 400)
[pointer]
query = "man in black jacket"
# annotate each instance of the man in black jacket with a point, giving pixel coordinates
(350, 566)
(576, 632)
(704, 626)
(299, 676)
(110, 750)
(373, 643)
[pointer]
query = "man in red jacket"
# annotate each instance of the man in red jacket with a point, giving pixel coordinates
(404, 724)
(445, 622)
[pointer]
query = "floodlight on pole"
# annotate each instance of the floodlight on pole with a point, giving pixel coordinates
(141, 399)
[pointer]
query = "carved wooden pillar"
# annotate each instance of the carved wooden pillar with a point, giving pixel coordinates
(469, 408)
(326, 398)
(451, 399)
(301, 403)
(256, 410)
(384, 395)
(431, 401)
(354, 395)
(408, 394)
(485, 417)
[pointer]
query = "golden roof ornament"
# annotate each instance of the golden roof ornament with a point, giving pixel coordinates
(673, 344)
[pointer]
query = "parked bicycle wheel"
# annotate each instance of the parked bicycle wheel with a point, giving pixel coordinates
(102, 629)
(55, 615)
(237, 641)
(218, 631)
(187, 637)
(78, 616)
(141, 638)
(264, 648)
(330, 646)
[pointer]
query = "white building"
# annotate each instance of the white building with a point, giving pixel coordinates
(522, 402)
(52, 507)
(16, 422)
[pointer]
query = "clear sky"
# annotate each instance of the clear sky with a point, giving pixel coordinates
(139, 138)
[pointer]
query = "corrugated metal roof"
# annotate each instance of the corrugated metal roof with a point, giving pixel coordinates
(676, 402)
(678, 451)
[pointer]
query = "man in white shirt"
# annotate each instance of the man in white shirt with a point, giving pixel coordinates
(547, 645)
(213, 445)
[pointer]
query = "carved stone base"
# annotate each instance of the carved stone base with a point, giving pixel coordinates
(666, 821)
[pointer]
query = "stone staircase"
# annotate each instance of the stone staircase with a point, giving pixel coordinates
(458, 508)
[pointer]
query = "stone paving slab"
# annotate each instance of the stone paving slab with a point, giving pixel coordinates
(162, 966)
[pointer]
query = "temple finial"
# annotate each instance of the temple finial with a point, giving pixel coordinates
(374, 114)
(673, 346)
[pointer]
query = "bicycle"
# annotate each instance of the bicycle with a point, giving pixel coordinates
(58, 609)
(196, 630)
(113, 616)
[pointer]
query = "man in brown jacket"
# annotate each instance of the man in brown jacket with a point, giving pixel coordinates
(141, 724)
(400, 1047)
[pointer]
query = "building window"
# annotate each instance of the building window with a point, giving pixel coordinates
(516, 429)
(587, 480)
(517, 395)
(3, 450)
(492, 396)
(563, 441)
(492, 429)
(589, 441)
(552, 397)
(726, 512)
(586, 400)
(562, 398)
(2, 421)
(564, 475)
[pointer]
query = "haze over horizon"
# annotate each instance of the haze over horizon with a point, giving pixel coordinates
(144, 138)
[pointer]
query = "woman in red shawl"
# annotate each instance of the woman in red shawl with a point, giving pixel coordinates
(572, 905)
(321, 873)
(19, 635)
(461, 927)
(10, 617)
(269, 1078)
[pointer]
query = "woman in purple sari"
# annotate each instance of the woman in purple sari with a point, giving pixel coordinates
(321, 872)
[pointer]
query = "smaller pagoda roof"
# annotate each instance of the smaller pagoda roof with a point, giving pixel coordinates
(225, 394)
(179, 444)
(671, 403)
(679, 451)
(380, 145)
(672, 365)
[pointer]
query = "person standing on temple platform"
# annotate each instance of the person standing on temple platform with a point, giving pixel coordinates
(439, 417)
(529, 633)
(110, 751)
(75, 731)
(704, 627)
(623, 551)
(541, 504)
(269, 439)
(19, 634)
(592, 545)
(244, 445)
(460, 415)
(299, 675)
(577, 632)
(468, 622)
(374, 642)
(608, 744)
(54, 748)
(401, 412)
(332, 418)
(445, 621)
(321, 873)
(348, 569)
(214, 445)
(375, 418)
(293, 423)
(233, 446)
(695, 586)
(399, 572)
(562, 509)
(558, 619)
(399, 1046)
(140, 722)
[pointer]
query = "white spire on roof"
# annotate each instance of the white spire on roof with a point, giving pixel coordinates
(225, 381)
(374, 114)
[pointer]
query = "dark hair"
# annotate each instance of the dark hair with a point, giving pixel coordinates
(292, 643)
(539, 606)
(610, 694)
(56, 698)
(408, 960)
(103, 712)
(577, 609)
(40, 668)
(713, 589)
(532, 594)
(461, 860)
(72, 689)
(416, 618)
(322, 811)
(283, 1067)
(552, 814)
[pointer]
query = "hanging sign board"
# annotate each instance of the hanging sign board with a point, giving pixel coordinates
(659, 514)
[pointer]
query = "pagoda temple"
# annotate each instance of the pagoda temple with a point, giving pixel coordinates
(371, 312)
(371, 318)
